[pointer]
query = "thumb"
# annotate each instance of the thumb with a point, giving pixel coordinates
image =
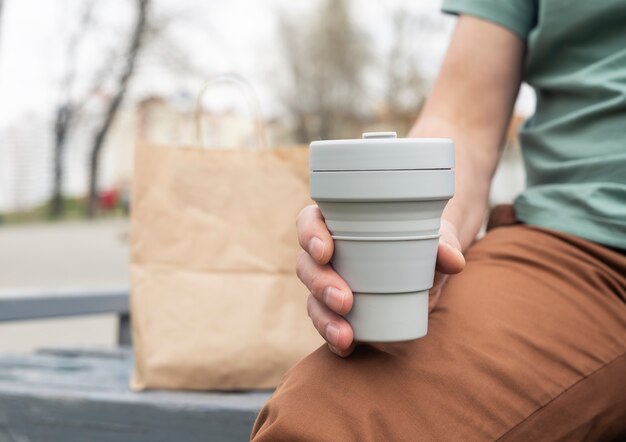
(450, 259)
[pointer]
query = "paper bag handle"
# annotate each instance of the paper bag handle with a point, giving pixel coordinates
(248, 92)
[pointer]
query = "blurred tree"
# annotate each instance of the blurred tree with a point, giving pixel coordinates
(406, 86)
(88, 96)
(65, 109)
(100, 92)
(326, 56)
(119, 89)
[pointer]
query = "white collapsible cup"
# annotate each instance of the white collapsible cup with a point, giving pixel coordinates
(382, 199)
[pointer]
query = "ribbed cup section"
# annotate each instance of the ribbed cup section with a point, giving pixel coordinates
(397, 266)
(383, 219)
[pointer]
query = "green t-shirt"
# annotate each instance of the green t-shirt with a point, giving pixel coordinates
(574, 147)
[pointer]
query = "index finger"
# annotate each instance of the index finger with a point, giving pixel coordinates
(313, 235)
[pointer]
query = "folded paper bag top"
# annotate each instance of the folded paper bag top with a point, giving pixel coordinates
(382, 199)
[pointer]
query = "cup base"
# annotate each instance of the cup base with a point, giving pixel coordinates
(389, 317)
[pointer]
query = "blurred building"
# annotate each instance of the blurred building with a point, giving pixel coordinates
(26, 159)
(26, 147)
(25, 163)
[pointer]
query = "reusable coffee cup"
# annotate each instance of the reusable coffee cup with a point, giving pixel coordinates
(382, 199)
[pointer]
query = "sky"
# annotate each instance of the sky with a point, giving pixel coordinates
(212, 36)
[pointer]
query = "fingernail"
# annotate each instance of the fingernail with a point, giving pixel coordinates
(332, 333)
(457, 252)
(451, 246)
(334, 298)
(316, 248)
(459, 255)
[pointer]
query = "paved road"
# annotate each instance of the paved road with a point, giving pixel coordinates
(69, 254)
(62, 255)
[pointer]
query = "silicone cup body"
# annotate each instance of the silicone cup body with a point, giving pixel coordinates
(385, 226)
(385, 250)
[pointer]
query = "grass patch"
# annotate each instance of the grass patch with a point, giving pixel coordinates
(73, 208)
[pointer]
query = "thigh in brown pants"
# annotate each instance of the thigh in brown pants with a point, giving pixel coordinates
(527, 343)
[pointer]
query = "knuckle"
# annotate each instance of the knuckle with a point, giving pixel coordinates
(321, 327)
(309, 306)
(304, 213)
(316, 284)
(299, 217)
(300, 264)
(314, 314)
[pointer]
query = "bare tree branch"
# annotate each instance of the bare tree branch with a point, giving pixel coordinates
(114, 105)
(66, 110)
(101, 76)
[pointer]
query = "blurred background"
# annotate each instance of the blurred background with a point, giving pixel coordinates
(81, 81)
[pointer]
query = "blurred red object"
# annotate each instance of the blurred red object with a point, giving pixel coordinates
(109, 199)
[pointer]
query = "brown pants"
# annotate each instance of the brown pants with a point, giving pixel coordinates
(528, 343)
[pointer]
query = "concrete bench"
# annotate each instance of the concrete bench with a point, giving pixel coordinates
(82, 394)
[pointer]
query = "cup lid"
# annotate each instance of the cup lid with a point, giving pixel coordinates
(382, 151)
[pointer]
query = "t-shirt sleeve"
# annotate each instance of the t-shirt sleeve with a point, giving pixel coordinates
(518, 16)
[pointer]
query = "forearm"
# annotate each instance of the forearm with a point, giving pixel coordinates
(471, 103)
(474, 168)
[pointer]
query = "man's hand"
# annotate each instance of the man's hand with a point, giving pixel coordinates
(330, 295)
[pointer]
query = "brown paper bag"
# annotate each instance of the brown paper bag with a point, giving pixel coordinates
(215, 301)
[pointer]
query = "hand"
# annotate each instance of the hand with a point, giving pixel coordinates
(331, 296)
